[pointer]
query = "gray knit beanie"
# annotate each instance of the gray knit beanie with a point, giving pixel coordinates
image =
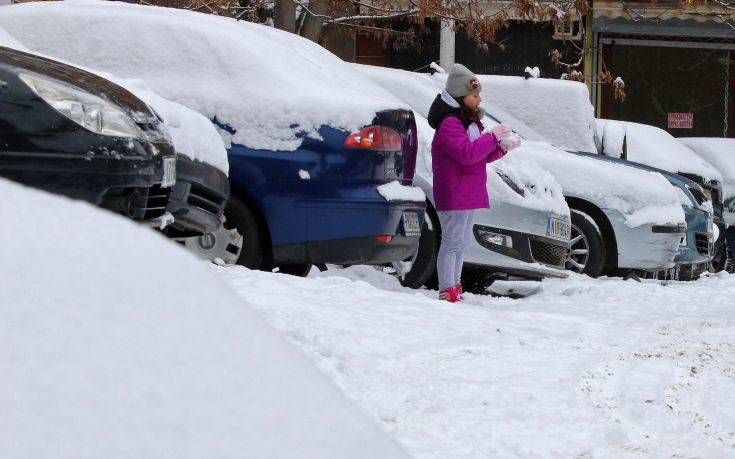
(462, 82)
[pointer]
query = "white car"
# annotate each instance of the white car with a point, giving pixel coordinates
(623, 218)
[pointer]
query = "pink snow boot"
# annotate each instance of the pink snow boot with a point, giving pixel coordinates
(449, 294)
(458, 290)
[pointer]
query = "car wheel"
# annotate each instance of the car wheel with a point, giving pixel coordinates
(729, 260)
(423, 264)
(223, 245)
(243, 219)
(587, 251)
(719, 259)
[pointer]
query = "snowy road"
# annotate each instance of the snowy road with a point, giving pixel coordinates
(580, 368)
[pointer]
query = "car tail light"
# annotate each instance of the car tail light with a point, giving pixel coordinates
(384, 239)
(375, 138)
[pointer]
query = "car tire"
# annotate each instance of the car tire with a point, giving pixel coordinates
(246, 222)
(424, 266)
(719, 259)
(586, 236)
(729, 257)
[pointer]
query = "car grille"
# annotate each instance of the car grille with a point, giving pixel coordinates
(548, 253)
(206, 199)
(137, 203)
(703, 245)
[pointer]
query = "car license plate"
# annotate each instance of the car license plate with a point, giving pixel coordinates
(169, 172)
(411, 225)
(558, 229)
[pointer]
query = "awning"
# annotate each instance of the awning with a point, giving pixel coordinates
(661, 19)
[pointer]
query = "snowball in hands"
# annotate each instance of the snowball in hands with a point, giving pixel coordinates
(510, 142)
(501, 131)
(507, 138)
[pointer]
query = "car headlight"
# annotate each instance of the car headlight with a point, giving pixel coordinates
(513, 186)
(87, 110)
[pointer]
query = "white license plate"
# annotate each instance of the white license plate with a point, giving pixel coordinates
(169, 172)
(411, 225)
(558, 229)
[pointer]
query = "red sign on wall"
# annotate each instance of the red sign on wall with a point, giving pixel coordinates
(681, 120)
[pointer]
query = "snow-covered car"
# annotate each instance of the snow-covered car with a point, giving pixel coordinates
(310, 140)
(73, 133)
(192, 201)
(624, 218)
(654, 147)
(720, 153)
(525, 233)
(198, 199)
(139, 350)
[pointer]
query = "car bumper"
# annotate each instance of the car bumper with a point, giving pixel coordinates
(198, 198)
(699, 243)
(646, 247)
(126, 185)
(367, 250)
(525, 249)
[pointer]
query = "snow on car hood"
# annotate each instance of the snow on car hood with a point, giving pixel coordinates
(138, 350)
(720, 153)
(643, 197)
(541, 191)
(655, 147)
(271, 86)
(192, 134)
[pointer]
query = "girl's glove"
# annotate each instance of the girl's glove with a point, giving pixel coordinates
(510, 142)
(501, 131)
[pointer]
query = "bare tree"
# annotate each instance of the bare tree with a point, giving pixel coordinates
(480, 19)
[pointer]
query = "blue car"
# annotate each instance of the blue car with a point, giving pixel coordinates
(320, 203)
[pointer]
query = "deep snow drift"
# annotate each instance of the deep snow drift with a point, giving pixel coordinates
(581, 368)
(116, 342)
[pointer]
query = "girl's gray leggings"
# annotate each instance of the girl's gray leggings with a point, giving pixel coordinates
(456, 237)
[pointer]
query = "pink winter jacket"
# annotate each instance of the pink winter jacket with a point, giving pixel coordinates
(459, 166)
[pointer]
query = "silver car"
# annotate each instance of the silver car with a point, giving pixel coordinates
(623, 219)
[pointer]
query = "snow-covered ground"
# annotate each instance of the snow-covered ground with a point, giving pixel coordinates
(578, 368)
(117, 343)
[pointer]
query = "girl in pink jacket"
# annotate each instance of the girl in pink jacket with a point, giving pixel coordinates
(460, 152)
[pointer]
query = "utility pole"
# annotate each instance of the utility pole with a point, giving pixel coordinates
(446, 44)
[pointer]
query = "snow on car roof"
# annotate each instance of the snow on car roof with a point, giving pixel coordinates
(657, 148)
(138, 350)
(269, 85)
(560, 111)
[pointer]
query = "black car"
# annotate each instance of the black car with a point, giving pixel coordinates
(71, 132)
